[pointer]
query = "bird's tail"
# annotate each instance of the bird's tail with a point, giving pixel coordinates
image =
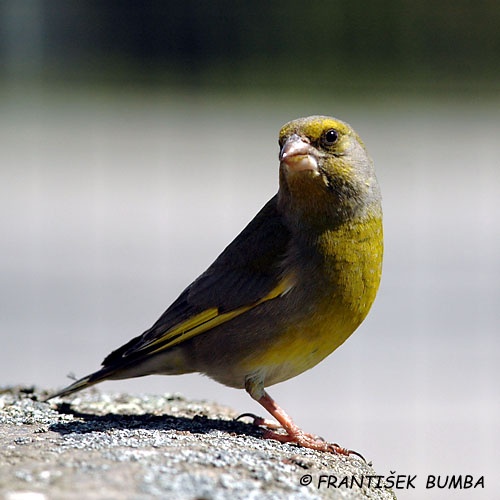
(83, 383)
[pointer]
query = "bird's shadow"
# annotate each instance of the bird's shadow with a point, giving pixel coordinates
(199, 424)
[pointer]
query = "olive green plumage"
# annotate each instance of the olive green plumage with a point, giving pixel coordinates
(292, 286)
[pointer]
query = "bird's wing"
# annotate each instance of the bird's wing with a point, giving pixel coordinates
(246, 274)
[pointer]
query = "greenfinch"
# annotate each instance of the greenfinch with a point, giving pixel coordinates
(290, 289)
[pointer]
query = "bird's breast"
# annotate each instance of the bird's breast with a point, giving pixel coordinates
(333, 296)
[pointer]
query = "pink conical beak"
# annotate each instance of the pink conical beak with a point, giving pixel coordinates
(298, 155)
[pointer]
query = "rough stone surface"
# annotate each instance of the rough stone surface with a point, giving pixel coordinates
(102, 446)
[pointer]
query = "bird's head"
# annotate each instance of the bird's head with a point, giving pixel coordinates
(326, 175)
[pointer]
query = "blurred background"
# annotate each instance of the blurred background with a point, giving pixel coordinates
(138, 138)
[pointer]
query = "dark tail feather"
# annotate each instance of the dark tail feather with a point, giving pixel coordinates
(83, 383)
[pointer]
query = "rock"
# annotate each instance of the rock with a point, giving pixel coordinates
(140, 447)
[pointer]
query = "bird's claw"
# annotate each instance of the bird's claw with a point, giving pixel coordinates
(259, 421)
(312, 442)
(250, 415)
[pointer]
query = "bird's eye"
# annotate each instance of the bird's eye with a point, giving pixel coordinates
(330, 137)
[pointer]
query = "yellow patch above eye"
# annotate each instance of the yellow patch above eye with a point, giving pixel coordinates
(210, 318)
(314, 127)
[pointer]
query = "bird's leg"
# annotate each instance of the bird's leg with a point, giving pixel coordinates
(293, 433)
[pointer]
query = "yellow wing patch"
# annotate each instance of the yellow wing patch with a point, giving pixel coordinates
(210, 318)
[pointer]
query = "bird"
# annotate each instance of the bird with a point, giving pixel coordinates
(287, 292)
